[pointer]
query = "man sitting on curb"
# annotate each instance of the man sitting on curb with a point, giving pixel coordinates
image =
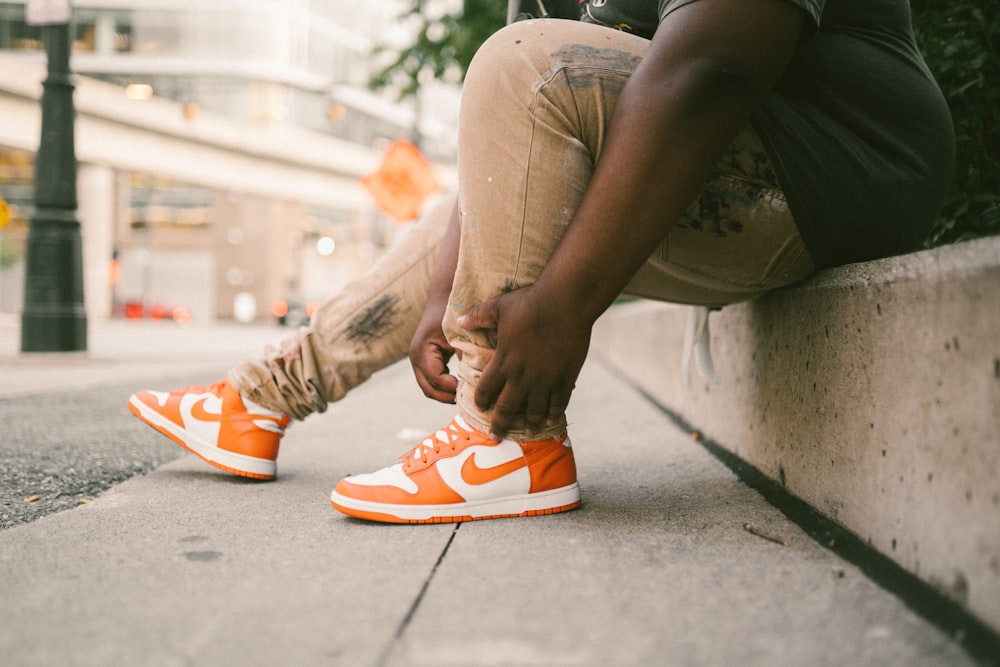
(704, 152)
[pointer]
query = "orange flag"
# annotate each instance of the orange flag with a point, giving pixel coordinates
(402, 182)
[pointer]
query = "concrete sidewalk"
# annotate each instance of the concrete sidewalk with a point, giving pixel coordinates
(187, 566)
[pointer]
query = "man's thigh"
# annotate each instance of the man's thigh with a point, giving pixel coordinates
(736, 241)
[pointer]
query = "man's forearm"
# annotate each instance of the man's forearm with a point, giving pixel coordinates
(675, 116)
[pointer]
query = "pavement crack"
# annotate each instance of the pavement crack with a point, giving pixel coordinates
(411, 612)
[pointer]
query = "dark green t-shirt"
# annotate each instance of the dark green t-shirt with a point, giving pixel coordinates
(857, 129)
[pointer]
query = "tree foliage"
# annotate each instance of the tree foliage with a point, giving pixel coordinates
(961, 41)
(442, 42)
(959, 38)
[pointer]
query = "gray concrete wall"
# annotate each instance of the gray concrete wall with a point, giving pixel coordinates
(871, 391)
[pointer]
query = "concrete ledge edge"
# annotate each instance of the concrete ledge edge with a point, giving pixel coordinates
(871, 392)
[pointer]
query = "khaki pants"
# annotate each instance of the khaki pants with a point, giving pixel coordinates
(535, 110)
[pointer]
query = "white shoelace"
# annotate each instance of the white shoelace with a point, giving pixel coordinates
(433, 443)
(697, 343)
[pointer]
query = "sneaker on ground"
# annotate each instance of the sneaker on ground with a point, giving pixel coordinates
(218, 425)
(459, 474)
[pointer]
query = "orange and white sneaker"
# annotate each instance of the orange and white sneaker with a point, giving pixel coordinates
(218, 425)
(459, 474)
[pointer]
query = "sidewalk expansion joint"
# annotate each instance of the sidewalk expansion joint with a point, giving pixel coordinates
(403, 624)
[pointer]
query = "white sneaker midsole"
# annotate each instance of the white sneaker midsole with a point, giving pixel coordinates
(511, 505)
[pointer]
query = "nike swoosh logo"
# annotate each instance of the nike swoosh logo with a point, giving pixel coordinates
(199, 412)
(474, 475)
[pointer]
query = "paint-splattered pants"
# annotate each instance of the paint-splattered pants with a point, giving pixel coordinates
(535, 111)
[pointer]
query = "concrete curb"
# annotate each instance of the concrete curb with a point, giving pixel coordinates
(871, 391)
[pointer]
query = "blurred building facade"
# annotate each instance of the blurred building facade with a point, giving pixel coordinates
(220, 145)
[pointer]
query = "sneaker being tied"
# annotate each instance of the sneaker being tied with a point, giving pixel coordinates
(217, 424)
(459, 474)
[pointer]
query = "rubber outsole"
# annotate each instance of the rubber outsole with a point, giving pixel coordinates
(536, 504)
(389, 518)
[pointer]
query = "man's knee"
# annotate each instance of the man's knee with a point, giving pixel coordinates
(519, 51)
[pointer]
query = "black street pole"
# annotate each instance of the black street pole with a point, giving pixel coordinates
(54, 318)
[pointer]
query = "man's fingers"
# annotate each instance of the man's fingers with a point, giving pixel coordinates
(536, 411)
(430, 367)
(496, 392)
(558, 402)
(490, 385)
(506, 409)
(484, 316)
(441, 387)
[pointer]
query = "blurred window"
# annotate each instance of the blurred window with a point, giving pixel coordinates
(15, 34)
(158, 202)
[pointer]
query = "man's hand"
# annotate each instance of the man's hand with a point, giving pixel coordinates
(429, 356)
(540, 351)
(429, 349)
